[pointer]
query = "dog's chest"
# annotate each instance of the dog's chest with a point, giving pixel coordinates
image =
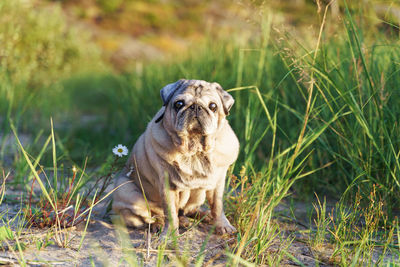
(195, 171)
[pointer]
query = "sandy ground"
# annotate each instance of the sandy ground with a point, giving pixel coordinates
(103, 246)
(104, 242)
(108, 244)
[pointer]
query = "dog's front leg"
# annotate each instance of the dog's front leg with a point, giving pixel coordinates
(215, 199)
(170, 203)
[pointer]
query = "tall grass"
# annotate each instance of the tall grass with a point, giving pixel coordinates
(320, 119)
(357, 81)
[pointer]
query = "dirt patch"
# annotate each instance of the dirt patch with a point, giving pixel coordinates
(109, 244)
(104, 244)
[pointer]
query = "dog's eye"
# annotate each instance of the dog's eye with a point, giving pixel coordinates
(212, 106)
(179, 104)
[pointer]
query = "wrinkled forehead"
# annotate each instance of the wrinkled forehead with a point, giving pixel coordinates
(198, 88)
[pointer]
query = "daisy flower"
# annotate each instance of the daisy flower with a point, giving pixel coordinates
(120, 150)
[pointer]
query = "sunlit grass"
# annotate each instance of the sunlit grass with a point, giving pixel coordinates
(321, 119)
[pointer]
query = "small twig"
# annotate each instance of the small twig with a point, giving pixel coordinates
(9, 260)
(151, 250)
(63, 263)
(64, 210)
(148, 243)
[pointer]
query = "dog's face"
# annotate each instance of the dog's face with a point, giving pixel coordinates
(195, 107)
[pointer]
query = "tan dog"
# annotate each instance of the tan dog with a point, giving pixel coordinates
(190, 143)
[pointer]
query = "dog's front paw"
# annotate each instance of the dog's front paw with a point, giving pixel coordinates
(224, 227)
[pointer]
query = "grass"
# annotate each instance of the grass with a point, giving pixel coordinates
(319, 117)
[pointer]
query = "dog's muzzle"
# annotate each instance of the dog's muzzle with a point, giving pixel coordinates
(197, 108)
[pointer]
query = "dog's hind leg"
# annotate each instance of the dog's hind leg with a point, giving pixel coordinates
(131, 219)
(130, 204)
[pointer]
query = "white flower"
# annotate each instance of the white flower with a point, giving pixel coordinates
(120, 150)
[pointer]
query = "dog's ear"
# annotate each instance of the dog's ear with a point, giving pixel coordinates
(168, 91)
(226, 98)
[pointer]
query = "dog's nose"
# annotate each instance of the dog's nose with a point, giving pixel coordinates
(196, 108)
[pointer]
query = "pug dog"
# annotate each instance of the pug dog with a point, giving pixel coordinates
(180, 160)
